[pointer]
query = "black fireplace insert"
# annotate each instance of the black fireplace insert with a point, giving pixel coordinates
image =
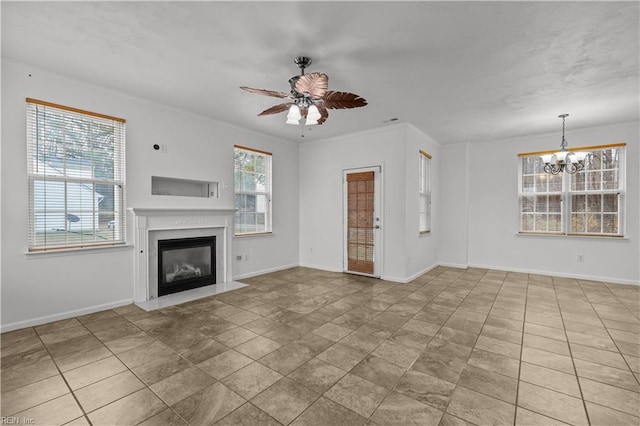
(186, 263)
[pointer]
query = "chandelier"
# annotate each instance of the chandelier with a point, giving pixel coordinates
(564, 160)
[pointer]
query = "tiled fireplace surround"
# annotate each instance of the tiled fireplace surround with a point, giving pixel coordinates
(151, 225)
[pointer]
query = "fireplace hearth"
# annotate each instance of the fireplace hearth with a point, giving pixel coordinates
(186, 263)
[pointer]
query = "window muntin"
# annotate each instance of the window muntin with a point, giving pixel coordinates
(76, 175)
(252, 179)
(424, 193)
(590, 202)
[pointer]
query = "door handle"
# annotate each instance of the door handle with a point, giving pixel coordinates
(376, 227)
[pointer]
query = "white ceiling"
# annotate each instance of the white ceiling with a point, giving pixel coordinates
(459, 71)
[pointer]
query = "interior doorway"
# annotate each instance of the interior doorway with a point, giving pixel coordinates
(362, 221)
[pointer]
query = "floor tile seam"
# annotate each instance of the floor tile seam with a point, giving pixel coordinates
(573, 362)
(604, 284)
(130, 369)
(616, 297)
(614, 409)
(526, 298)
(394, 387)
(239, 407)
(64, 379)
(444, 411)
(615, 344)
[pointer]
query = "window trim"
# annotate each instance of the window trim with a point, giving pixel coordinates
(34, 176)
(426, 183)
(566, 194)
(269, 220)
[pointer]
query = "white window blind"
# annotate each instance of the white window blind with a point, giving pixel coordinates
(424, 199)
(252, 178)
(589, 202)
(76, 175)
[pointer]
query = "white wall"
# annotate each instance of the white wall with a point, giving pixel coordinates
(44, 287)
(422, 250)
(454, 182)
(493, 212)
(321, 191)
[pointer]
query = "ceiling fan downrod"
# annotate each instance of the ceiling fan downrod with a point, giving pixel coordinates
(302, 62)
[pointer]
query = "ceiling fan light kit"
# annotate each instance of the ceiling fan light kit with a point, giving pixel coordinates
(309, 97)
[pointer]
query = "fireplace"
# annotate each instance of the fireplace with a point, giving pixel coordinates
(186, 263)
(150, 227)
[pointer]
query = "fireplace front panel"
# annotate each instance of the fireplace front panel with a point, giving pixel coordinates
(186, 263)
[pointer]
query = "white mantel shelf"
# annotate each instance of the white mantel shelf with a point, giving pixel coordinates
(186, 212)
(144, 221)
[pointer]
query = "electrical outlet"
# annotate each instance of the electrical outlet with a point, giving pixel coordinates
(246, 257)
(163, 148)
(238, 258)
(580, 258)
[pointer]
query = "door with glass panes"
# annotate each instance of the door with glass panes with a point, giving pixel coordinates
(362, 221)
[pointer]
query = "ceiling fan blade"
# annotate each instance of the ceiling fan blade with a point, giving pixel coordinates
(264, 92)
(324, 114)
(276, 109)
(343, 100)
(315, 84)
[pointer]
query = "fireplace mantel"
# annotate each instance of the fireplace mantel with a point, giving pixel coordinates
(143, 221)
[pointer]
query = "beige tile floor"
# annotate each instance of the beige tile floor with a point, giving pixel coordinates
(308, 347)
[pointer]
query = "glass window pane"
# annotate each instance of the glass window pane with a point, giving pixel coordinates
(555, 222)
(578, 223)
(528, 184)
(541, 222)
(594, 223)
(578, 181)
(594, 203)
(594, 181)
(610, 223)
(527, 223)
(555, 183)
(610, 179)
(555, 203)
(610, 203)
(579, 203)
(541, 204)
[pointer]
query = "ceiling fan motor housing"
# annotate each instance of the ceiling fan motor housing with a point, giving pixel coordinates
(302, 62)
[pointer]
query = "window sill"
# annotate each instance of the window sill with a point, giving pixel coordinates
(254, 234)
(572, 236)
(77, 250)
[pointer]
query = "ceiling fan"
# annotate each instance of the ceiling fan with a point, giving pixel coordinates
(309, 97)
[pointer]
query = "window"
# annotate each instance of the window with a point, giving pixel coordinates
(252, 176)
(590, 202)
(424, 202)
(76, 174)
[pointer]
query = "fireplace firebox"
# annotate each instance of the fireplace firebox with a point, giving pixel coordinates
(186, 263)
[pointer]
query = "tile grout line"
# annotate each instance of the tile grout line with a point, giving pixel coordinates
(425, 349)
(477, 337)
(84, 413)
(524, 321)
(609, 334)
(584, 402)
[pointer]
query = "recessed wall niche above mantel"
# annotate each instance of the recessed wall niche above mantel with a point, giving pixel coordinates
(183, 187)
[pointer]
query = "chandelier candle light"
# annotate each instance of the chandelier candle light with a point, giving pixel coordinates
(564, 160)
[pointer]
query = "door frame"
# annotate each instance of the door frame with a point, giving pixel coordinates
(378, 207)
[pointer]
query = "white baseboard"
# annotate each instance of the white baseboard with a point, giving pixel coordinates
(453, 265)
(63, 315)
(321, 268)
(557, 274)
(265, 271)
(412, 277)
